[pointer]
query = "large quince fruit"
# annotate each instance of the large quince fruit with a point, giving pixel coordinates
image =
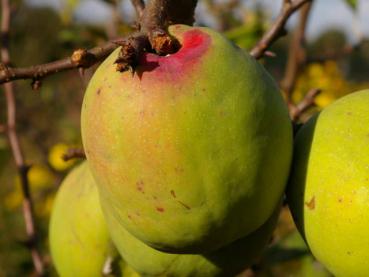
(229, 260)
(79, 240)
(192, 150)
(328, 191)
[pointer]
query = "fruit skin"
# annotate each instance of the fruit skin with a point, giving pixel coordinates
(328, 192)
(192, 150)
(227, 261)
(79, 239)
(75, 254)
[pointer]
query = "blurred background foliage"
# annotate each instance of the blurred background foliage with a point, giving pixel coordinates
(48, 119)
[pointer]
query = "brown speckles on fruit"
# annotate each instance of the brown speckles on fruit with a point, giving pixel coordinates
(178, 170)
(184, 205)
(140, 186)
(172, 192)
(160, 209)
(311, 203)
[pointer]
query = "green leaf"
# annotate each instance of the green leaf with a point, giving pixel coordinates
(352, 4)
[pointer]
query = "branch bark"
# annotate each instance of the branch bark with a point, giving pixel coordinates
(113, 24)
(139, 6)
(307, 102)
(153, 35)
(159, 14)
(155, 19)
(297, 54)
(278, 28)
(74, 153)
(296, 61)
(16, 148)
(81, 58)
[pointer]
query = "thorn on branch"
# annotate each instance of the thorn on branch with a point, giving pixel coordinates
(36, 84)
(74, 153)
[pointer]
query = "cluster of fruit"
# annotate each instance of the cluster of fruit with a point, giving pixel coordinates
(187, 162)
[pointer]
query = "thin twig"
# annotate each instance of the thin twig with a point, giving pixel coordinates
(296, 61)
(113, 24)
(139, 6)
(297, 54)
(157, 16)
(152, 31)
(16, 148)
(74, 153)
(307, 102)
(80, 58)
(278, 28)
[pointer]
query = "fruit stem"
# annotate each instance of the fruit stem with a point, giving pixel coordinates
(153, 34)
